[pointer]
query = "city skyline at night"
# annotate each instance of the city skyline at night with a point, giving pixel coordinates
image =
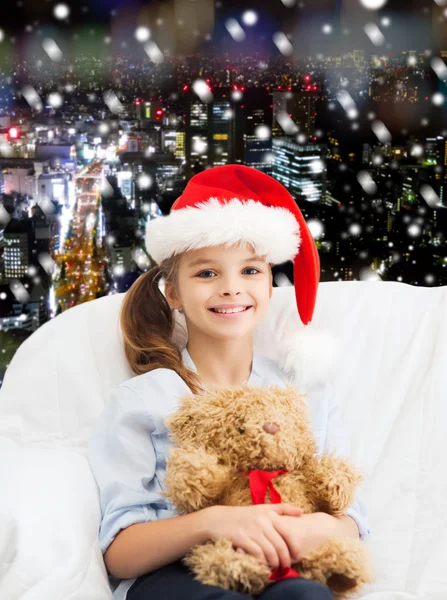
(101, 130)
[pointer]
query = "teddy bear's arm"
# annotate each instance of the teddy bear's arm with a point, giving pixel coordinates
(332, 482)
(195, 479)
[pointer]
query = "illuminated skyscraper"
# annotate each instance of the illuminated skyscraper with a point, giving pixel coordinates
(300, 168)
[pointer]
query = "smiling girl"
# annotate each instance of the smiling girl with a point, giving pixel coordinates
(215, 252)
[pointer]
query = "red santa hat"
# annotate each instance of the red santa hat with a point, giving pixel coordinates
(232, 204)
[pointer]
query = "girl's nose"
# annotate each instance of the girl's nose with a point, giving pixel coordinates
(271, 428)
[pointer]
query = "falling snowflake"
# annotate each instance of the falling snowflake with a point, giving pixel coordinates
(348, 104)
(55, 99)
(439, 67)
(4, 215)
(289, 3)
(438, 99)
(381, 131)
(374, 34)
(61, 11)
(414, 230)
(367, 182)
(142, 33)
(263, 132)
(368, 274)
(385, 22)
(119, 270)
(199, 146)
(417, 150)
(283, 44)
(317, 166)
(373, 4)
(106, 189)
(355, 229)
(286, 123)
(46, 262)
(52, 49)
(281, 279)
(32, 97)
(235, 30)
(249, 18)
(112, 101)
(316, 228)
(430, 196)
(19, 291)
(202, 90)
(145, 181)
(103, 128)
(154, 52)
(327, 29)
(237, 95)
(2, 35)
(301, 138)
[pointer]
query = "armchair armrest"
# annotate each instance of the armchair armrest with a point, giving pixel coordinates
(51, 514)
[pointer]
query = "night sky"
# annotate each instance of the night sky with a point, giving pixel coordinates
(414, 23)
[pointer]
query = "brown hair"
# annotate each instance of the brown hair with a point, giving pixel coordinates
(147, 323)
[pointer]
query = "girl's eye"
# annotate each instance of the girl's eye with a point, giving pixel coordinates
(208, 271)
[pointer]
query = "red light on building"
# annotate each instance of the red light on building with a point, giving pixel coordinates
(279, 87)
(13, 133)
(185, 87)
(243, 88)
(234, 87)
(307, 78)
(159, 112)
(137, 102)
(314, 88)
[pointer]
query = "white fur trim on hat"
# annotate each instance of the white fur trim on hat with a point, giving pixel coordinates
(273, 231)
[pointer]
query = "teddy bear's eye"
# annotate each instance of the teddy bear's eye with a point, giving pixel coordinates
(241, 430)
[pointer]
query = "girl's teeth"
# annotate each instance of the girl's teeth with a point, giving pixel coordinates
(220, 310)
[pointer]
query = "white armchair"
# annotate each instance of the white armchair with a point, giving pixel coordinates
(391, 377)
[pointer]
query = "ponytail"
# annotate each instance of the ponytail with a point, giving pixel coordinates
(147, 324)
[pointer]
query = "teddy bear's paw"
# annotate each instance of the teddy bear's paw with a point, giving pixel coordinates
(343, 564)
(218, 563)
(206, 479)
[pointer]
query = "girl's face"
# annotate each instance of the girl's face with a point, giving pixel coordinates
(212, 276)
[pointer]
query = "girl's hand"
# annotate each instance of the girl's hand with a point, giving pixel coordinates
(255, 529)
(307, 533)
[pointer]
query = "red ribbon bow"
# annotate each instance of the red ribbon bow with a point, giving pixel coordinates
(259, 482)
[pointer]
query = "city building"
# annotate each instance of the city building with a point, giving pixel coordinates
(300, 168)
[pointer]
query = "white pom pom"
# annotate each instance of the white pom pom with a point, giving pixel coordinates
(307, 356)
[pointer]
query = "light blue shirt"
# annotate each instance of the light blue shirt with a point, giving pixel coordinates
(128, 448)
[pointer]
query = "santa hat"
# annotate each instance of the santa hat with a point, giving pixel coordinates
(235, 203)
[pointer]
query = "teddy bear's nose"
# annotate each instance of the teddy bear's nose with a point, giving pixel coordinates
(271, 428)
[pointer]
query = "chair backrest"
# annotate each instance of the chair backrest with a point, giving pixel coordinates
(391, 337)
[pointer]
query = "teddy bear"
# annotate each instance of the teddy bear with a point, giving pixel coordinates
(239, 446)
